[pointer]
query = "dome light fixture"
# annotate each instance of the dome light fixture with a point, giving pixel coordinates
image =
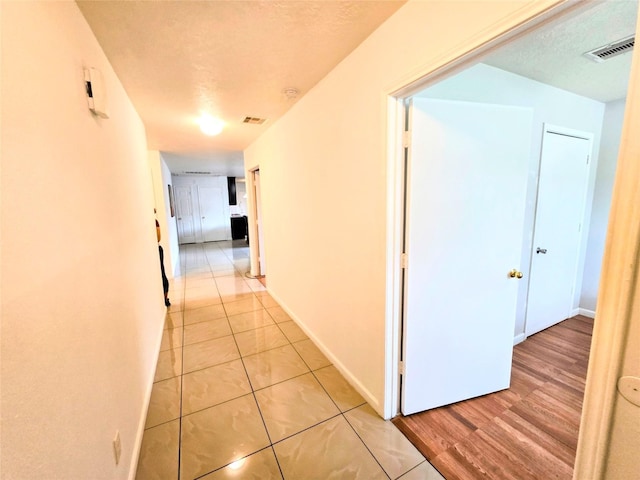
(209, 125)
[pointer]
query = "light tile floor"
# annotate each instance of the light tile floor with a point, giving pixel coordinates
(241, 392)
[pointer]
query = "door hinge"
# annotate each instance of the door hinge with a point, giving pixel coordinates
(404, 260)
(401, 368)
(406, 139)
(587, 159)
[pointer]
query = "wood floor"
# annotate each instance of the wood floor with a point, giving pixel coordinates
(528, 432)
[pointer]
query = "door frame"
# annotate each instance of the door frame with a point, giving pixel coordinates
(397, 119)
(254, 230)
(616, 299)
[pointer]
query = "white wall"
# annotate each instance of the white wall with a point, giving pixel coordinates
(483, 83)
(169, 232)
(323, 170)
(608, 158)
(82, 303)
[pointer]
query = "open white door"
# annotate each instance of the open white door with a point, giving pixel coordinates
(465, 211)
(562, 191)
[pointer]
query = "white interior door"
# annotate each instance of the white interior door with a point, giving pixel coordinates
(215, 222)
(465, 211)
(185, 214)
(562, 190)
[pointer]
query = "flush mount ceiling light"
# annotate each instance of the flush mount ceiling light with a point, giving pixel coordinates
(210, 126)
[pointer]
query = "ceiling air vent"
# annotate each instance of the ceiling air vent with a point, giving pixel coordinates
(197, 173)
(254, 120)
(611, 50)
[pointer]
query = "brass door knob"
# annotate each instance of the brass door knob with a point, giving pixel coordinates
(515, 274)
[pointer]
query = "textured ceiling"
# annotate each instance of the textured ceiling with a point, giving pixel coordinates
(553, 53)
(231, 59)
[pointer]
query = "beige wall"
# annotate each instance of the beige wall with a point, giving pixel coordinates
(168, 229)
(82, 304)
(323, 170)
(325, 184)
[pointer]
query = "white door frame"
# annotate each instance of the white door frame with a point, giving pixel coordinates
(253, 229)
(396, 117)
(618, 299)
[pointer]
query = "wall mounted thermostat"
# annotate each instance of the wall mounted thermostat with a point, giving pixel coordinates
(96, 92)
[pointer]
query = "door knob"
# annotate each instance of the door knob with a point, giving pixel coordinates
(541, 250)
(515, 274)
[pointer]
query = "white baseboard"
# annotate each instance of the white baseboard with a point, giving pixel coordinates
(346, 373)
(519, 339)
(137, 446)
(587, 313)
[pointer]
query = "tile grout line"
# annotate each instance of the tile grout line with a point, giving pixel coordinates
(195, 255)
(184, 304)
(253, 393)
(366, 446)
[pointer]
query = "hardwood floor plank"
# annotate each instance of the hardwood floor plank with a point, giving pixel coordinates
(528, 432)
(438, 429)
(524, 382)
(522, 456)
(571, 348)
(480, 411)
(539, 437)
(564, 393)
(491, 461)
(549, 416)
(461, 463)
(546, 357)
(580, 323)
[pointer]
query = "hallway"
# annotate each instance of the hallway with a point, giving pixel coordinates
(241, 392)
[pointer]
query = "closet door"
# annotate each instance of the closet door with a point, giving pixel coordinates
(186, 219)
(216, 224)
(562, 191)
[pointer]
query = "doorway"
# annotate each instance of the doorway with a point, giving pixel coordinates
(398, 114)
(485, 83)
